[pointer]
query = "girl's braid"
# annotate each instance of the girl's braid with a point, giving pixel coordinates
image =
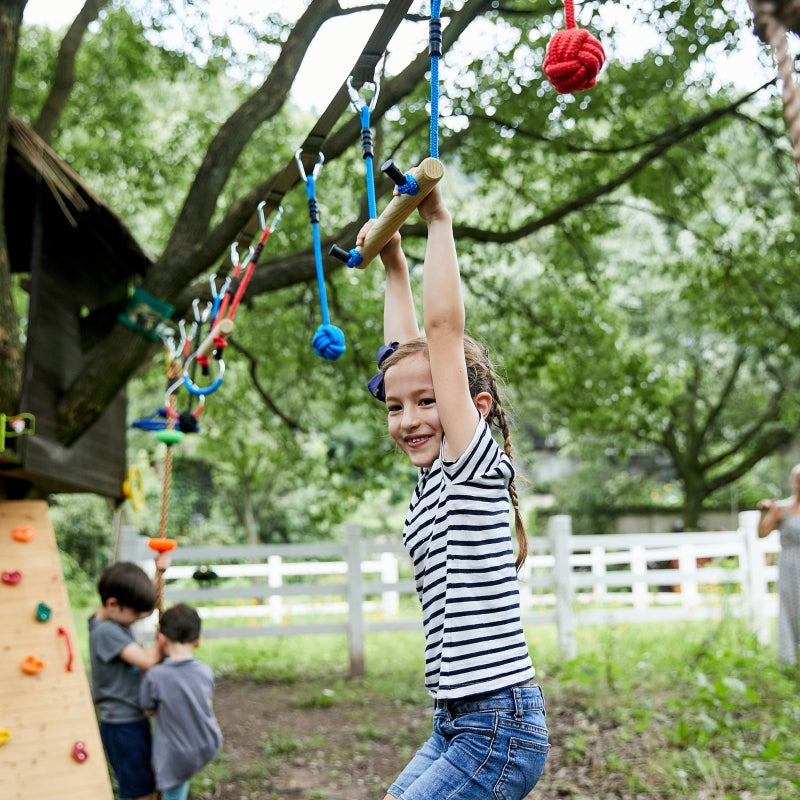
(498, 417)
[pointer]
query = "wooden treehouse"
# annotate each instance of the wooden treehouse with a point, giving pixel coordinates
(79, 260)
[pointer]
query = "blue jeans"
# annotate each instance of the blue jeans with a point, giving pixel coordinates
(482, 747)
(127, 746)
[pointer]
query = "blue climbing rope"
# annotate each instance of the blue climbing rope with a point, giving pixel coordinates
(328, 341)
(435, 52)
(364, 111)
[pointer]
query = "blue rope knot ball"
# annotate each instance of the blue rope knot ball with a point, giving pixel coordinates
(328, 342)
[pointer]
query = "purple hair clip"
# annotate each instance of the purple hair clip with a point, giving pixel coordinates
(375, 385)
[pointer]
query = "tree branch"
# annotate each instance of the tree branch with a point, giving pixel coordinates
(64, 74)
(292, 424)
(177, 265)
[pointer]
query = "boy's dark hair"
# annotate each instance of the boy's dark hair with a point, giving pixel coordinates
(181, 624)
(129, 584)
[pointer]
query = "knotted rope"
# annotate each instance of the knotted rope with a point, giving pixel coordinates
(771, 30)
(328, 341)
(574, 57)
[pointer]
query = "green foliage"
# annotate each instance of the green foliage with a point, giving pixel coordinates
(80, 587)
(627, 254)
(699, 702)
(666, 710)
(83, 527)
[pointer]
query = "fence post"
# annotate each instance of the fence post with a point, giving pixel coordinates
(559, 529)
(599, 570)
(687, 563)
(132, 546)
(754, 583)
(355, 601)
(275, 580)
(639, 591)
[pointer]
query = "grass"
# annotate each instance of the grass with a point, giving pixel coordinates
(677, 711)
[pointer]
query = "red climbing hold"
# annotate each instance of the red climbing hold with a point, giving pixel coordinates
(79, 752)
(12, 578)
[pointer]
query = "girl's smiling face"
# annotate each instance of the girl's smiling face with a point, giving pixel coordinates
(411, 405)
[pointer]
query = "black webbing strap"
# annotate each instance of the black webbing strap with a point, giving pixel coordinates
(363, 72)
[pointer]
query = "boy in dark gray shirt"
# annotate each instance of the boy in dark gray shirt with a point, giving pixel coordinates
(179, 692)
(127, 594)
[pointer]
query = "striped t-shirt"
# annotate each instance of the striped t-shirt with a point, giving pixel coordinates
(457, 534)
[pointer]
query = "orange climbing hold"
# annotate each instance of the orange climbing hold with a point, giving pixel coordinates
(161, 544)
(32, 665)
(23, 534)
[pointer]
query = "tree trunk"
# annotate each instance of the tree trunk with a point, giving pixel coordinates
(250, 518)
(10, 347)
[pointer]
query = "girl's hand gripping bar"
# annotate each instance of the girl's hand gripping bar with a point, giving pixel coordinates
(425, 176)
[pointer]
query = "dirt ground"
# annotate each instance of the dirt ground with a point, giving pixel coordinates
(281, 745)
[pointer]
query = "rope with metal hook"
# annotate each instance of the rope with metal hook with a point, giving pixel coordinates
(328, 341)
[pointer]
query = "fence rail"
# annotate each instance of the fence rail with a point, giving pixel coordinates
(570, 581)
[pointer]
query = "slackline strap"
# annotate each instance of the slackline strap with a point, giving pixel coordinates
(363, 72)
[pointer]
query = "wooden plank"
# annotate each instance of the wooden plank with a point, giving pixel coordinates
(46, 713)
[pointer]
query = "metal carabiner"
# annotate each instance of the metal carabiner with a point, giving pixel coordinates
(356, 98)
(277, 216)
(200, 316)
(199, 391)
(298, 157)
(216, 294)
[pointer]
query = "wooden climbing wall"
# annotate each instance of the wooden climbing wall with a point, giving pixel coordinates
(42, 715)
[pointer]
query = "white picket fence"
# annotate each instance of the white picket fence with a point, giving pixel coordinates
(355, 587)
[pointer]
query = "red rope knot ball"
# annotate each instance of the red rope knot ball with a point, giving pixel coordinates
(573, 60)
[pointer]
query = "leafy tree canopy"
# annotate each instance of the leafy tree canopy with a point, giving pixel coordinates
(628, 251)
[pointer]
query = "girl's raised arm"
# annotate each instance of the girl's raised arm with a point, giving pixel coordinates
(399, 314)
(443, 320)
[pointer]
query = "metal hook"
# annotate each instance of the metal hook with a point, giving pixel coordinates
(182, 340)
(298, 157)
(169, 344)
(218, 293)
(262, 219)
(355, 96)
(186, 338)
(200, 316)
(235, 254)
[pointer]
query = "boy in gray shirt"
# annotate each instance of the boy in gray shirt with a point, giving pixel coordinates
(117, 661)
(179, 692)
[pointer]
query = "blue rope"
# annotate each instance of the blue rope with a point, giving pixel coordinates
(328, 341)
(366, 140)
(435, 52)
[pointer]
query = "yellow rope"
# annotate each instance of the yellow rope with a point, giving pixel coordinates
(174, 371)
